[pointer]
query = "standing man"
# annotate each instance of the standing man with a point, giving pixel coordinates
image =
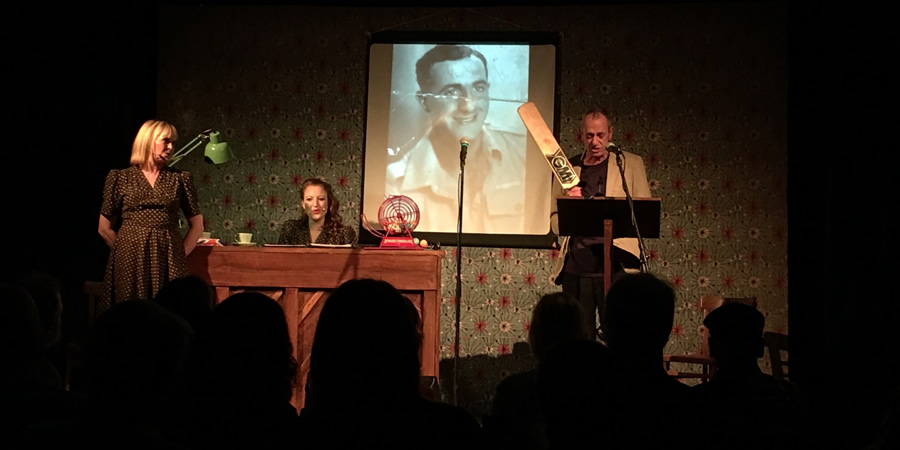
(455, 93)
(579, 268)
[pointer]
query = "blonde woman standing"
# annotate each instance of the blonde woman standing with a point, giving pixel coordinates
(139, 218)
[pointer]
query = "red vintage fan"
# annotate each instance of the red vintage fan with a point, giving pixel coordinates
(398, 216)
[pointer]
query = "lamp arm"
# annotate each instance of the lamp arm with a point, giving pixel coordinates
(189, 147)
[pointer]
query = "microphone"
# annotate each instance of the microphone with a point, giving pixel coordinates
(463, 148)
(612, 148)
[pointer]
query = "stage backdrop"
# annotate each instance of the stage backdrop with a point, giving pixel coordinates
(699, 91)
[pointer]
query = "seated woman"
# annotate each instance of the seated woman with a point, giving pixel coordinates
(320, 223)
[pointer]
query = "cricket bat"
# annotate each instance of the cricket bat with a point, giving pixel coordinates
(542, 135)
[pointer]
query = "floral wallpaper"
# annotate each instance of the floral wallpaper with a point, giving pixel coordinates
(699, 91)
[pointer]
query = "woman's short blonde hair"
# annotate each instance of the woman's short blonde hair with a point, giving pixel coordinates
(146, 136)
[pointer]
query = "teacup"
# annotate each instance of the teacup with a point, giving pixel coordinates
(205, 235)
(245, 238)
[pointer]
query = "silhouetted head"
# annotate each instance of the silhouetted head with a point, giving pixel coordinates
(557, 317)
(134, 355)
(191, 298)
(640, 309)
(47, 294)
(735, 333)
(366, 348)
(21, 330)
(248, 349)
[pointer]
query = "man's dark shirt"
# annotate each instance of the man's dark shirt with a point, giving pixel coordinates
(585, 256)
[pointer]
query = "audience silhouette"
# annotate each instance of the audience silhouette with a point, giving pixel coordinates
(177, 372)
(22, 338)
(190, 298)
(641, 401)
(241, 384)
(365, 394)
(132, 358)
(30, 388)
(46, 292)
(516, 420)
(743, 408)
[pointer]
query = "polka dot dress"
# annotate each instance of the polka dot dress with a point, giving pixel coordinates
(148, 251)
(296, 232)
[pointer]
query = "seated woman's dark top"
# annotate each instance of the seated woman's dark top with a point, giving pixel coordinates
(296, 232)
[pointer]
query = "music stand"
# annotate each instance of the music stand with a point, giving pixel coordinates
(583, 216)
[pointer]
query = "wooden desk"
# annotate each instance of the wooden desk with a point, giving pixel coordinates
(300, 279)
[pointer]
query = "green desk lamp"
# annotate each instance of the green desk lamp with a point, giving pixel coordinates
(216, 151)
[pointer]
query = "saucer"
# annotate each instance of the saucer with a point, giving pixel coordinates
(245, 243)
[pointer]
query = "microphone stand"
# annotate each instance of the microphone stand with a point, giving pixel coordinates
(620, 161)
(464, 147)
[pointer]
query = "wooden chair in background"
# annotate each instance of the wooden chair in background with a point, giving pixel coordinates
(777, 345)
(700, 365)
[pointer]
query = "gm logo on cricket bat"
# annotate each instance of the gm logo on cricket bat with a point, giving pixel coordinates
(561, 166)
